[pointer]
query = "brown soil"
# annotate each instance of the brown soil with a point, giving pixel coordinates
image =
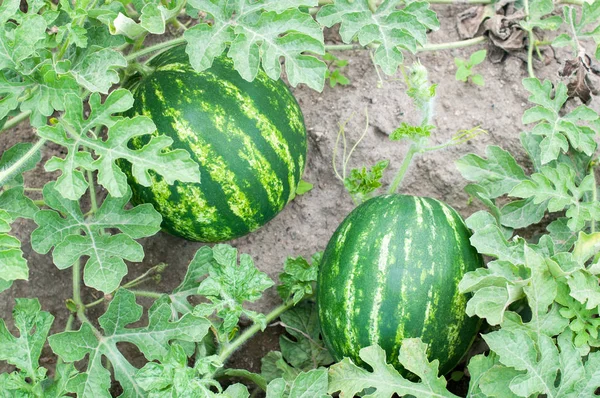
(306, 224)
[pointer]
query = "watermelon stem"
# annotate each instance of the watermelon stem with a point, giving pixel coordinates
(229, 349)
(412, 151)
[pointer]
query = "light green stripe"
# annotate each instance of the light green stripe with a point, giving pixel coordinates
(382, 268)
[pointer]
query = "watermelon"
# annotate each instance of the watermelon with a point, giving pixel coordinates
(248, 138)
(391, 271)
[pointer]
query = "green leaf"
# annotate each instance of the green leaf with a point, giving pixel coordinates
(522, 213)
(517, 350)
(22, 42)
(260, 34)
(350, 380)
(411, 132)
(477, 57)
(312, 384)
(557, 130)
(197, 269)
(304, 187)
(498, 174)
(477, 79)
(462, 73)
(75, 132)
(556, 185)
(305, 350)
(362, 183)
(152, 341)
(97, 70)
(33, 325)
(298, 278)
(229, 285)
(561, 234)
(73, 235)
(390, 28)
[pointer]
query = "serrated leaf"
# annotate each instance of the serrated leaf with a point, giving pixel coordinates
(298, 277)
(229, 285)
(311, 384)
(488, 239)
(517, 350)
(73, 131)
(152, 340)
(362, 183)
(97, 70)
(306, 350)
(73, 235)
(260, 34)
(556, 186)
(522, 213)
(411, 132)
(33, 325)
(17, 45)
(350, 380)
(555, 129)
(498, 174)
(389, 28)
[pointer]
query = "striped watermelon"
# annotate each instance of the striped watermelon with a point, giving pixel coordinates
(248, 138)
(391, 271)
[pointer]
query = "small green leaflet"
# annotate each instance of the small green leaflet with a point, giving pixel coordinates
(75, 133)
(363, 183)
(153, 18)
(298, 278)
(152, 340)
(558, 131)
(14, 204)
(62, 229)
(260, 33)
(390, 28)
(350, 380)
(229, 285)
(411, 132)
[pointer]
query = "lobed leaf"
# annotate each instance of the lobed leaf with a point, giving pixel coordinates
(73, 235)
(152, 340)
(75, 132)
(389, 28)
(260, 33)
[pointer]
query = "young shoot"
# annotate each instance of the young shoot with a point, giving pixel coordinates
(465, 72)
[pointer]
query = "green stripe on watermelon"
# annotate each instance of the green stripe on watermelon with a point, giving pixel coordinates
(391, 271)
(248, 138)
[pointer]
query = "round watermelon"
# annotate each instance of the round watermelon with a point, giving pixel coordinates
(390, 272)
(248, 138)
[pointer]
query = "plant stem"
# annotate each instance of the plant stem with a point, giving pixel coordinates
(531, 41)
(452, 44)
(15, 121)
(9, 171)
(39, 202)
(77, 284)
(69, 325)
(146, 293)
(156, 47)
(594, 191)
(252, 330)
(93, 199)
(412, 150)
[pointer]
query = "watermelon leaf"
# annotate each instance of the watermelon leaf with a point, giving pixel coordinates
(14, 204)
(298, 278)
(306, 350)
(389, 28)
(62, 228)
(80, 135)
(558, 132)
(260, 33)
(350, 380)
(152, 341)
(229, 285)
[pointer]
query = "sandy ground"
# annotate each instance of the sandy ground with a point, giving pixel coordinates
(306, 224)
